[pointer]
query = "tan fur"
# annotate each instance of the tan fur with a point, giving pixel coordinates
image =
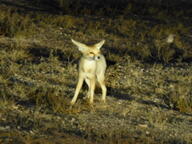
(92, 66)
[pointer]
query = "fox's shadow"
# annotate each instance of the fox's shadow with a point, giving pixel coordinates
(119, 94)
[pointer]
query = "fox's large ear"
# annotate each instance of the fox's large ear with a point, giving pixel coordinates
(100, 44)
(82, 47)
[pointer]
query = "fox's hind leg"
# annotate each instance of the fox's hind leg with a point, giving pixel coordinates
(88, 92)
(101, 81)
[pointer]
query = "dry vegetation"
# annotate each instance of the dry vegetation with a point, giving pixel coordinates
(149, 80)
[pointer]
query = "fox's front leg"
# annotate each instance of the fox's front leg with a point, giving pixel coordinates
(92, 89)
(78, 87)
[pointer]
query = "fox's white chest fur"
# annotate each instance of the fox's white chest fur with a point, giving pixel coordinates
(88, 67)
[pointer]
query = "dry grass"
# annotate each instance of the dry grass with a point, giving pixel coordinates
(149, 80)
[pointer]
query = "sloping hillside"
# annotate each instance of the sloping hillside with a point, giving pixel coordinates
(148, 77)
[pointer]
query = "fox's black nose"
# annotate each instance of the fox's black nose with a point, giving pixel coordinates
(98, 57)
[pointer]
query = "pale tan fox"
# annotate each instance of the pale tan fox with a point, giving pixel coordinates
(92, 66)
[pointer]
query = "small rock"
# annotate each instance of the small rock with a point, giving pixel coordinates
(143, 125)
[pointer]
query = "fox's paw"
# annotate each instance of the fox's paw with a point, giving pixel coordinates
(90, 101)
(72, 102)
(103, 100)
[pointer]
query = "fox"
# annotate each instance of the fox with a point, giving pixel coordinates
(92, 67)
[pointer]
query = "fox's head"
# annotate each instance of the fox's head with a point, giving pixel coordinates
(90, 52)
